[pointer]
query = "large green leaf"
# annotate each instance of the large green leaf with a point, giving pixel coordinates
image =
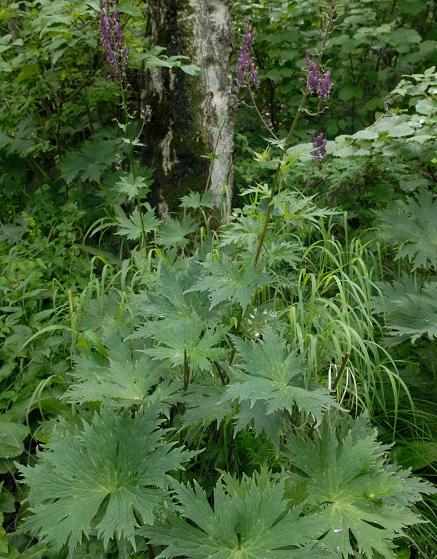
(410, 311)
(230, 280)
(272, 373)
(133, 226)
(178, 340)
(12, 436)
(174, 232)
(105, 479)
(363, 502)
(89, 162)
(133, 186)
(412, 228)
(247, 521)
(123, 382)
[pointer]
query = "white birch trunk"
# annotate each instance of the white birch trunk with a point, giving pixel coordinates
(192, 117)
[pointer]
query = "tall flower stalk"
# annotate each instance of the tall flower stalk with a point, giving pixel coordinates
(277, 179)
(319, 148)
(317, 83)
(114, 44)
(247, 74)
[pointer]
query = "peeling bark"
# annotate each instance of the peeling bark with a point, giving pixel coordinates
(192, 117)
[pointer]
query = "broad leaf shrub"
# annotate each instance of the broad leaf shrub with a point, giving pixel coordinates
(207, 380)
(166, 351)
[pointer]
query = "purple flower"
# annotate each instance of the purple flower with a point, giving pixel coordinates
(313, 78)
(112, 37)
(319, 148)
(325, 86)
(246, 68)
(316, 83)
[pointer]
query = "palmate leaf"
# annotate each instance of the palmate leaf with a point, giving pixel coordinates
(352, 490)
(104, 480)
(410, 311)
(169, 300)
(412, 228)
(272, 373)
(178, 339)
(243, 231)
(174, 232)
(89, 162)
(298, 209)
(230, 280)
(132, 186)
(132, 226)
(179, 323)
(122, 382)
(196, 201)
(250, 521)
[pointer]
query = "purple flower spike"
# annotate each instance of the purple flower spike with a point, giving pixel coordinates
(316, 83)
(325, 86)
(246, 69)
(112, 38)
(319, 148)
(313, 78)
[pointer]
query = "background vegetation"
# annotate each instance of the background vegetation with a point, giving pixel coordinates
(207, 384)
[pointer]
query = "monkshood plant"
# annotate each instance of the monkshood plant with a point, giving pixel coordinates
(212, 385)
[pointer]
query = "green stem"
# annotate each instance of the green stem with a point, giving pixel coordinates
(221, 373)
(237, 331)
(340, 371)
(132, 161)
(263, 120)
(187, 371)
(277, 179)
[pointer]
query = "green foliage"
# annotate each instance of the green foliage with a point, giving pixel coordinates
(186, 341)
(249, 519)
(371, 45)
(230, 280)
(102, 480)
(132, 186)
(412, 228)
(351, 489)
(409, 312)
(12, 436)
(378, 165)
(274, 374)
(124, 382)
(89, 162)
(175, 232)
(128, 334)
(133, 226)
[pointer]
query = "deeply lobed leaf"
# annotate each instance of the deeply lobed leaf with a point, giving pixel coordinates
(103, 480)
(352, 490)
(250, 520)
(272, 373)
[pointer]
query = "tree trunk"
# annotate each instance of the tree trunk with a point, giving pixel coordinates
(190, 135)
